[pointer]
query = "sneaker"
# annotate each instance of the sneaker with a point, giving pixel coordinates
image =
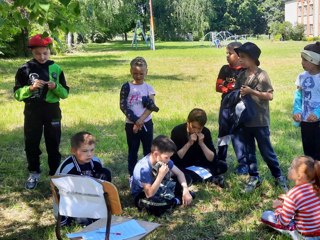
(282, 182)
(219, 181)
(32, 181)
(242, 170)
(252, 184)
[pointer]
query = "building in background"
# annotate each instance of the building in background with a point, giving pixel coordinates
(304, 12)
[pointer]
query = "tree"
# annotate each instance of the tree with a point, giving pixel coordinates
(24, 17)
(273, 11)
(175, 19)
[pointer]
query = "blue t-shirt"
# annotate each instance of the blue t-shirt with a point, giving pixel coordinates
(310, 88)
(142, 174)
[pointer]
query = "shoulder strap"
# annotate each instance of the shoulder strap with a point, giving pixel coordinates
(76, 164)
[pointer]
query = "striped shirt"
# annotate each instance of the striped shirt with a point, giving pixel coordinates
(302, 205)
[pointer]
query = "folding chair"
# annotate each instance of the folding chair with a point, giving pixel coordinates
(84, 197)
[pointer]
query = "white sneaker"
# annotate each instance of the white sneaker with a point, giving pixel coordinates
(32, 181)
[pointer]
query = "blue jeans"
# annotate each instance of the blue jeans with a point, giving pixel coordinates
(262, 136)
(239, 147)
(145, 135)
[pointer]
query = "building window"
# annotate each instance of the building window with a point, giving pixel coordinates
(299, 11)
(305, 10)
(311, 29)
(311, 9)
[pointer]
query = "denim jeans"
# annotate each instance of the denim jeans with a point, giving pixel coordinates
(145, 135)
(239, 148)
(262, 136)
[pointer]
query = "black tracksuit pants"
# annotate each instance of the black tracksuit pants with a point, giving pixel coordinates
(42, 117)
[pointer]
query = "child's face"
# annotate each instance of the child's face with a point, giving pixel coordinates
(292, 173)
(84, 153)
(194, 127)
(138, 73)
(232, 56)
(163, 157)
(246, 61)
(308, 66)
(41, 54)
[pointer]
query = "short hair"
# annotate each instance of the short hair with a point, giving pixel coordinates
(163, 144)
(138, 62)
(82, 138)
(234, 45)
(198, 115)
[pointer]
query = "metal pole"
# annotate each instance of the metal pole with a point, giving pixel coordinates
(152, 43)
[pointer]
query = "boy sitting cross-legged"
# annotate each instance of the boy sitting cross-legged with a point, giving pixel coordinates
(152, 186)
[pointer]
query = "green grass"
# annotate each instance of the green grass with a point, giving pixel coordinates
(183, 75)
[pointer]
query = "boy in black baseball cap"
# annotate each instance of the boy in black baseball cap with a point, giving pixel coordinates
(255, 82)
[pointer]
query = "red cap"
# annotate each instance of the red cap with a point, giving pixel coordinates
(39, 41)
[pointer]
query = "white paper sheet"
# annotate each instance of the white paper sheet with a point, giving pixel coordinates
(202, 172)
(81, 197)
(120, 231)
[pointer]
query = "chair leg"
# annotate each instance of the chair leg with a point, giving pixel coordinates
(108, 226)
(58, 227)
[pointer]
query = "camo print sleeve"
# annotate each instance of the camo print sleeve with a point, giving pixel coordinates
(124, 92)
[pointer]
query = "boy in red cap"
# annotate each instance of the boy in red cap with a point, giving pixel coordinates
(40, 83)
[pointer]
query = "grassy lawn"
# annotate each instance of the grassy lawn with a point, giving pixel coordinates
(183, 75)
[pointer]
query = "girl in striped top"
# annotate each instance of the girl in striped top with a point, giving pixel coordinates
(298, 212)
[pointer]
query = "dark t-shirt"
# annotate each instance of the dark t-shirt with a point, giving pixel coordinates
(260, 82)
(227, 78)
(195, 155)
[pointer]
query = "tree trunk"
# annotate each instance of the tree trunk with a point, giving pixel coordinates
(70, 40)
(125, 37)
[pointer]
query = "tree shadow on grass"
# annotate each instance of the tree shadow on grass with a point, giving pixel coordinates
(126, 46)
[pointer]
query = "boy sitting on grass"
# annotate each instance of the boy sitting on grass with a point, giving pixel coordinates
(83, 162)
(152, 186)
(195, 147)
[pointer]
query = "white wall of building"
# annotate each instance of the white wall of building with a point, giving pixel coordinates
(291, 12)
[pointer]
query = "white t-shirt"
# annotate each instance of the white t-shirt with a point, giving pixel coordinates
(134, 100)
(310, 87)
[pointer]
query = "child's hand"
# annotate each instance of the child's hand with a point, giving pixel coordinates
(38, 83)
(51, 85)
(192, 138)
(277, 203)
(244, 90)
(186, 197)
(136, 128)
(163, 170)
(312, 118)
(200, 137)
(297, 117)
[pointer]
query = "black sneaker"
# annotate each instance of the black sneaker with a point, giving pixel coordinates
(219, 181)
(252, 184)
(32, 181)
(282, 182)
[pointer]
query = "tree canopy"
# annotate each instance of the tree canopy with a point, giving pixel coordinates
(99, 20)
